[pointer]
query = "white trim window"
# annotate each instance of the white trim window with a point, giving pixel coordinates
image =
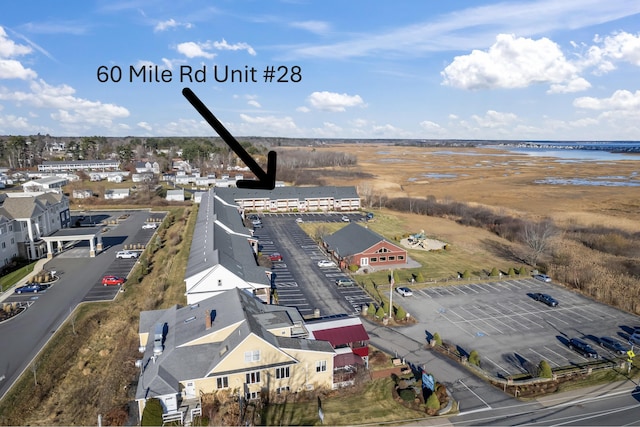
(251, 356)
(282, 372)
(253, 377)
(321, 366)
(222, 382)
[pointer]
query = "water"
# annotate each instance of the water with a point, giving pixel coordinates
(575, 151)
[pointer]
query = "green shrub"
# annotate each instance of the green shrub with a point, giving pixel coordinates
(380, 313)
(437, 339)
(401, 314)
(419, 277)
(511, 272)
(494, 272)
(432, 402)
(474, 358)
(354, 267)
(152, 414)
(371, 311)
(522, 271)
(544, 370)
(466, 274)
(407, 394)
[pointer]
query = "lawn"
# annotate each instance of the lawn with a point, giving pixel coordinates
(373, 404)
(10, 279)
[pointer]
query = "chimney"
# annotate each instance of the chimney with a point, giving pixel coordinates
(207, 320)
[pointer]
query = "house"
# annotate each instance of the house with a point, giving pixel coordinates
(359, 245)
(152, 167)
(8, 244)
(76, 165)
(114, 178)
(231, 343)
(293, 199)
(33, 216)
(142, 177)
(82, 194)
(197, 197)
(175, 195)
(223, 254)
(50, 183)
(117, 193)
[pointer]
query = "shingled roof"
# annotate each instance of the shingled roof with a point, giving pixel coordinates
(352, 239)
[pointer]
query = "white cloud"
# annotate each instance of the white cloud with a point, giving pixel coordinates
(70, 109)
(14, 124)
(303, 109)
(335, 102)
(223, 45)
(622, 46)
(495, 119)
(474, 27)
(170, 23)
(433, 127)
(144, 125)
(317, 27)
(511, 63)
(620, 100)
(194, 50)
(11, 68)
(254, 103)
(578, 84)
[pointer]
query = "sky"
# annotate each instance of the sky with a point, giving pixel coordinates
(414, 69)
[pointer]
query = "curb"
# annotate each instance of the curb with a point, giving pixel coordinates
(36, 269)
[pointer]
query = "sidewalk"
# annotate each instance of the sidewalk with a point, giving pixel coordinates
(588, 393)
(36, 269)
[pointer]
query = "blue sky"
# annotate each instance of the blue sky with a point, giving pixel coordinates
(541, 69)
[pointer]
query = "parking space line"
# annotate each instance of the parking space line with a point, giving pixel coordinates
(497, 317)
(423, 292)
(481, 320)
(455, 323)
(542, 357)
(512, 316)
(470, 288)
(459, 288)
(556, 353)
(498, 366)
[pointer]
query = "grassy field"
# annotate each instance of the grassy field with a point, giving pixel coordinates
(10, 279)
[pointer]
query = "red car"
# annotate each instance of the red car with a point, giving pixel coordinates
(275, 257)
(112, 280)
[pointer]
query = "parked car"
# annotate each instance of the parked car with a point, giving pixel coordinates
(545, 298)
(345, 218)
(112, 280)
(326, 263)
(369, 216)
(150, 226)
(127, 254)
(299, 220)
(31, 287)
(275, 257)
(613, 345)
(256, 224)
(635, 336)
(542, 278)
(344, 281)
(404, 291)
(583, 348)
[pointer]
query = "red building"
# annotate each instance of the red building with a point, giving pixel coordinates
(358, 245)
(346, 335)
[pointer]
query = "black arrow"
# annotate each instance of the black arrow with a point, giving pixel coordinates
(266, 180)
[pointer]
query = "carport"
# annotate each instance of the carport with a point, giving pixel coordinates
(92, 234)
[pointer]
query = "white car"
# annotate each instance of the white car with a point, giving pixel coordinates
(150, 226)
(298, 220)
(404, 291)
(345, 218)
(326, 263)
(542, 277)
(127, 254)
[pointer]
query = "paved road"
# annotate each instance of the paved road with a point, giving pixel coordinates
(25, 335)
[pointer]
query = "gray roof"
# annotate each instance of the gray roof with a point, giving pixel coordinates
(79, 162)
(214, 243)
(352, 239)
(27, 206)
(181, 361)
(232, 194)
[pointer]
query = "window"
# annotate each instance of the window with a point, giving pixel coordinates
(392, 258)
(282, 372)
(253, 377)
(374, 259)
(400, 257)
(222, 382)
(4, 245)
(382, 251)
(251, 356)
(282, 389)
(252, 395)
(321, 366)
(383, 258)
(13, 241)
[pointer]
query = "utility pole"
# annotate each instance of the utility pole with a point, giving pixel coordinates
(391, 295)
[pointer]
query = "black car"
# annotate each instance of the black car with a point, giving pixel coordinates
(613, 345)
(545, 298)
(583, 348)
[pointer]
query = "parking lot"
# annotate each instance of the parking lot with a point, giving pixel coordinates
(511, 331)
(299, 281)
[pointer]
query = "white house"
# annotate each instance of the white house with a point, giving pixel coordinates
(114, 178)
(50, 183)
(117, 193)
(175, 195)
(82, 194)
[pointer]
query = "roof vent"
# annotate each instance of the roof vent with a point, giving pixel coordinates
(190, 319)
(158, 338)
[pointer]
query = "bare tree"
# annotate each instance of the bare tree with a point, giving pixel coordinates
(537, 237)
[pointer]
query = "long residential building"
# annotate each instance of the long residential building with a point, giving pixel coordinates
(77, 165)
